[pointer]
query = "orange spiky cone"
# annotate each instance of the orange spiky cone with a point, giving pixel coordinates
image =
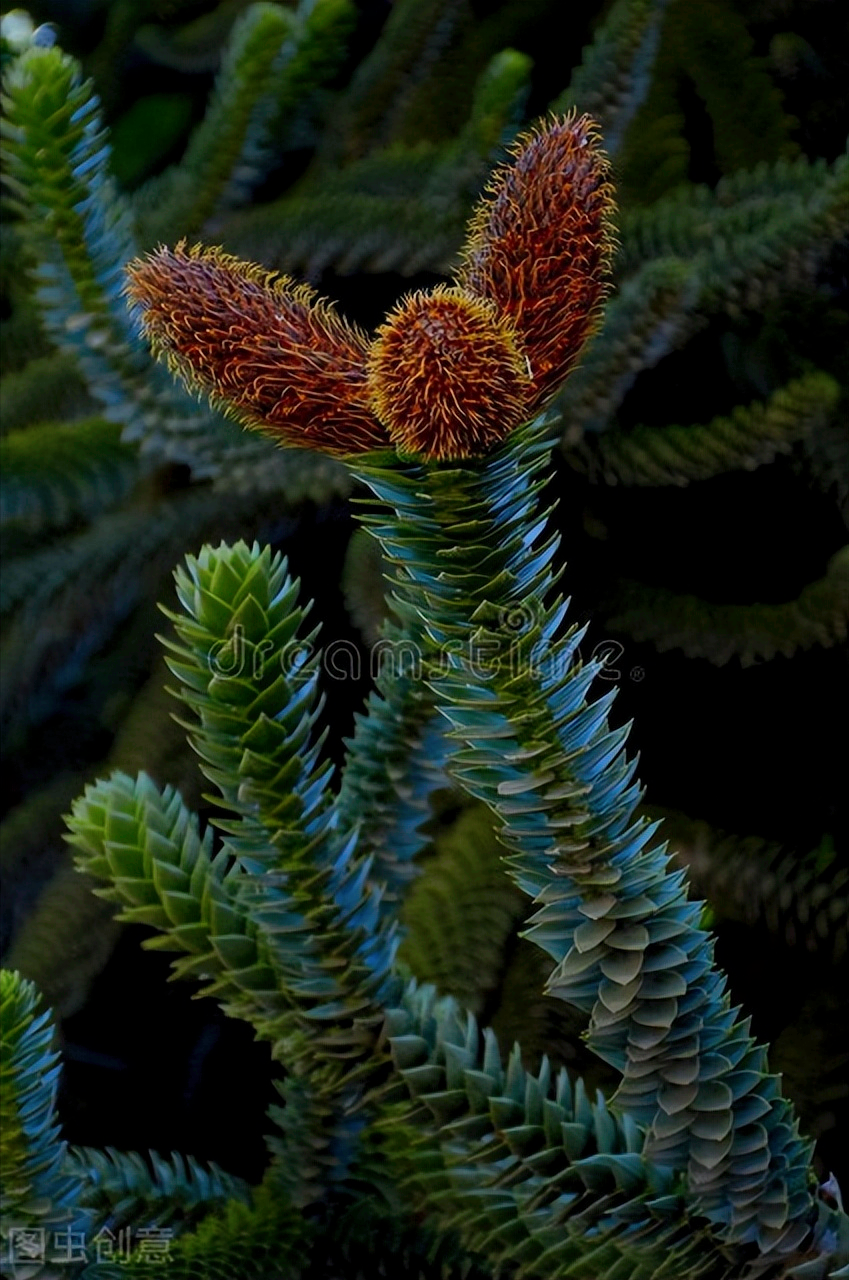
(447, 375)
(540, 243)
(265, 350)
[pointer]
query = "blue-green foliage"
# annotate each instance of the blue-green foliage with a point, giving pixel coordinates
(408, 1138)
(523, 1169)
(39, 1190)
(610, 916)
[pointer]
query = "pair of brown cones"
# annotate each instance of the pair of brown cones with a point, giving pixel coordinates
(451, 371)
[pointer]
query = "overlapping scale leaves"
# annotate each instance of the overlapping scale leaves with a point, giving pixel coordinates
(747, 438)
(626, 943)
(249, 676)
(462, 915)
(120, 1187)
(293, 946)
(527, 1169)
(752, 633)
(147, 846)
(267, 1238)
(79, 231)
(57, 1197)
(38, 1192)
(396, 759)
(217, 162)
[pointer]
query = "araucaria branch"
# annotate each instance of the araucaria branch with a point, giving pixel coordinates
(695, 1166)
(454, 381)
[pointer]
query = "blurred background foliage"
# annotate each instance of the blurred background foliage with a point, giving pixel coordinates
(702, 483)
